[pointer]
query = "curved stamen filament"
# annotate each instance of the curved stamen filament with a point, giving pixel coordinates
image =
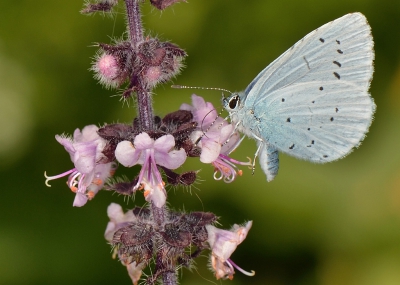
(48, 178)
(72, 181)
(231, 263)
(234, 161)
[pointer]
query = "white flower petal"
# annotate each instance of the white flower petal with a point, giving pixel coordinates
(126, 154)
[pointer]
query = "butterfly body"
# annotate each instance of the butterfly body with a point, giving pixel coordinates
(312, 102)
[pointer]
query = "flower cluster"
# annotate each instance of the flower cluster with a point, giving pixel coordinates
(150, 63)
(90, 172)
(154, 234)
(178, 135)
(182, 238)
(107, 5)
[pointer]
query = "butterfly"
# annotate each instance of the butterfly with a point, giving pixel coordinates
(312, 102)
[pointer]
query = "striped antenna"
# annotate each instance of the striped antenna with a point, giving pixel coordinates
(194, 87)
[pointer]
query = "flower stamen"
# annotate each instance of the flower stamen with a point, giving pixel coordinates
(231, 263)
(49, 178)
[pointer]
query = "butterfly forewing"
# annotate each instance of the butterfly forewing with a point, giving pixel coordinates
(348, 37)
(313, 102)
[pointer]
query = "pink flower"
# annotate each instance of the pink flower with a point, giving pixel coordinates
(149, 153)
(213, 131)
(118, 220)
(88, 176)
(216, 138)
(223, 243)
(107, 70)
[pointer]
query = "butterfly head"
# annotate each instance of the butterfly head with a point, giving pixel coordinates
(231, 103)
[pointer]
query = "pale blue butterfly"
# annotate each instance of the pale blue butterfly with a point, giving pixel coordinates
(312, 102)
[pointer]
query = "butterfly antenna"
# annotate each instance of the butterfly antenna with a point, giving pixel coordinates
(194, 87)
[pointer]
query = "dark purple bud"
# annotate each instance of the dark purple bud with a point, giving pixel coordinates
(162, 4)
(122, 187)
(200, 219)
(185, 179)
(177, 118)
(188, 178)
(174, 49)
(195, 223)
(175, 237)
(102, 6)
(134, 243)
(157, 62)
(116, 132)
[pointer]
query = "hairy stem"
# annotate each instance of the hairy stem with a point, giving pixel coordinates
(134, 22)
(158, 215)
(144, 102)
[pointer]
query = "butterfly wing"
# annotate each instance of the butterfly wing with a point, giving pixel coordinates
(313, 101)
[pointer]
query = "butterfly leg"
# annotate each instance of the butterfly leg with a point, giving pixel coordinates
(260, 146)
(234, 133)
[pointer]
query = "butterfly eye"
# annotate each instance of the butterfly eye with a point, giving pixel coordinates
(233, 102)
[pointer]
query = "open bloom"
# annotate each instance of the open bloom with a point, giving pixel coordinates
(118, 220)
(149, 153)
(213, 130)
(216, 138)
(88, 175)
(223, 243)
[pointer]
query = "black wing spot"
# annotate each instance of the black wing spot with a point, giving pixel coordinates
(312, 142)
(288, 120)
(308, 129)
(283, 99)
(340, 51)
(338, 42)
(337, 63)
(291, 147)
(321, 40)
(325, 156)
(337, 110)
(313, 102)
(331, 119)
(321, 88)
(336, 75)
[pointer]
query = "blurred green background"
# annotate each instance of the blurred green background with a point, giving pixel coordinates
(314, 224)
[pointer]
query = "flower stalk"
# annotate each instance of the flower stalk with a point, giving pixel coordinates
(153, 235)
(143, 94)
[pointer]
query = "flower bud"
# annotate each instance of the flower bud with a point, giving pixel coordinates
(107, 68)
(162, 4)
(112, 65)
(101, 6)
(157, 62)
